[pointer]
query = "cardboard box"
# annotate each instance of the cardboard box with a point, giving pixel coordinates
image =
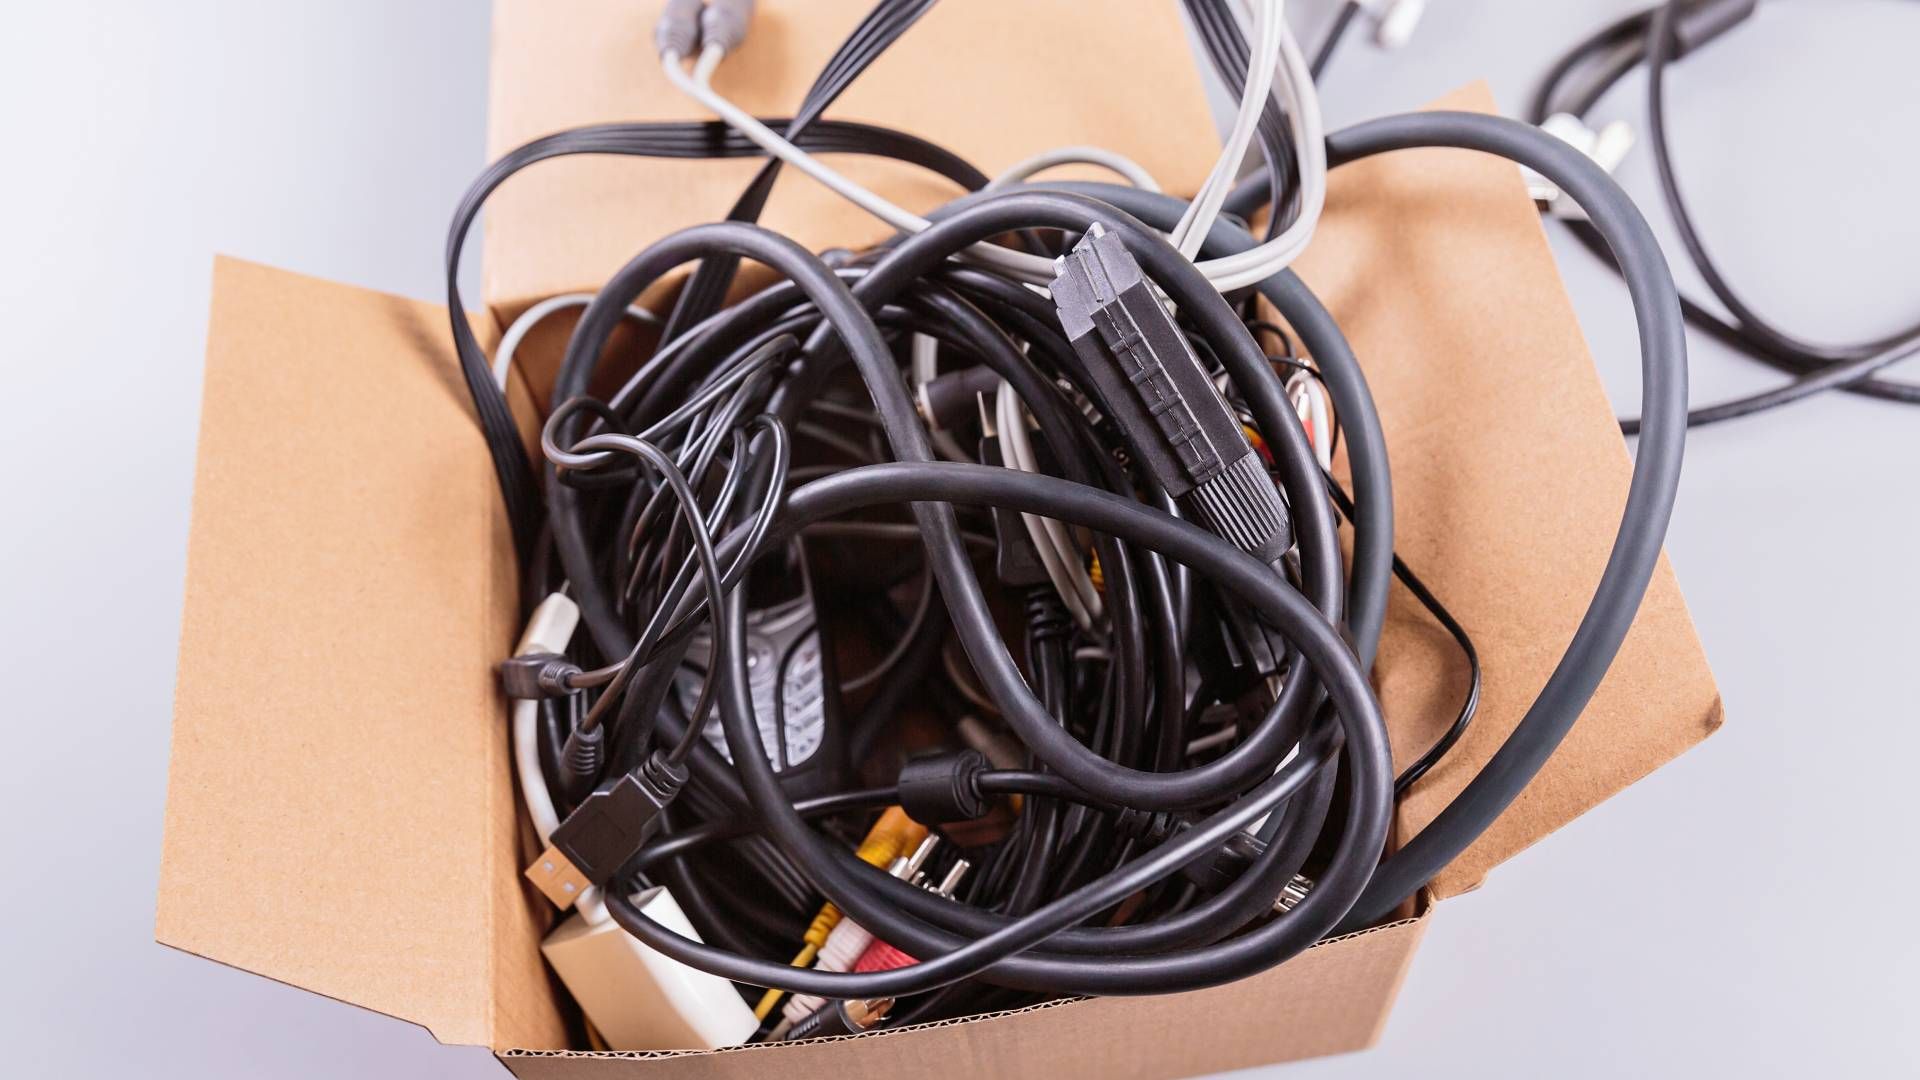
(341, 813)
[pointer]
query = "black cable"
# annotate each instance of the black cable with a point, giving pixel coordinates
(1342, 20)
(707, 288)
(666, 139)
(1451, 737)
(1650, 496)
(1650, 37)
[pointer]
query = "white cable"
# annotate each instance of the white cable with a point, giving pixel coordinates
(1052, 539)
(1311, 405)
(1237, 271)
(926, 365)
(1309, 135)
(1255, 93)
(845, 943)
(1219, 738)
(1114, 162)
(510, 341)
(548, 630)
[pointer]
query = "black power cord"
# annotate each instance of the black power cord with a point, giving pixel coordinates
(1655, 38)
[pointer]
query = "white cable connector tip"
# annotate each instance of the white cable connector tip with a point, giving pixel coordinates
(551, 626)
(1606, 148)
(1395, 21)
(723, 24)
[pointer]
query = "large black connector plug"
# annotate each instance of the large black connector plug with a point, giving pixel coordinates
(533, 676)
(1157, 391)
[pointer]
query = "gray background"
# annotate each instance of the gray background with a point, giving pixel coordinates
(1736, 912)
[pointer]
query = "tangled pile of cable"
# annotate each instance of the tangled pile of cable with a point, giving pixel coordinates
(1017, 530)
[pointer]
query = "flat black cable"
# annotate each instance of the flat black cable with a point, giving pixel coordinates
(1228, 52)
(1343, 20)
(1621, 47)
(672, 140)
(706, 288)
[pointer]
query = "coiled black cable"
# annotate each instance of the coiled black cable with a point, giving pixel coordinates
(1106, 737)
(1650, 38)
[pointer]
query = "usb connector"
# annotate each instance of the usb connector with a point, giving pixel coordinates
(557, 878)
(602, 833)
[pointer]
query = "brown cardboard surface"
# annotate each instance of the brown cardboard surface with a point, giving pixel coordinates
(1328, 1000)
(340, 814)
(1509, 475)
(994, 82)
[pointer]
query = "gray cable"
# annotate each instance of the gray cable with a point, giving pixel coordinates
(1643, 525)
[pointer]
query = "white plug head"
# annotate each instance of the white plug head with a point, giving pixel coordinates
(550, 627)
(1606, 148)
(1395, 20)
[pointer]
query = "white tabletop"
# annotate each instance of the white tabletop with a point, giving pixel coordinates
(1719, 916)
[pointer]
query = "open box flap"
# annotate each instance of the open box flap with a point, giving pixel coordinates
(1509, 475)
(340, 812)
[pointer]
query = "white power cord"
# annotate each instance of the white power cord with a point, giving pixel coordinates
(1316, 415)
(548, 631)
(510, 341)
(1258, 89)
(1302, 103)
(1113, 161)
(1052, 539)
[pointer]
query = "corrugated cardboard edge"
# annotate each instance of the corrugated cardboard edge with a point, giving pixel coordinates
(1332, 998)
(1509, 473)
(333, 727)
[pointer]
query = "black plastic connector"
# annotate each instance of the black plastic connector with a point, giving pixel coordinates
(537, 675)
(936, 789)
(581, 758)
(1157, 391)
(1210, 873)
(947, 401)
(604, 831)
(1700, 22)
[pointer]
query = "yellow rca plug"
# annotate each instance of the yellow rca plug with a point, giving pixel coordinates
(894, 835)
